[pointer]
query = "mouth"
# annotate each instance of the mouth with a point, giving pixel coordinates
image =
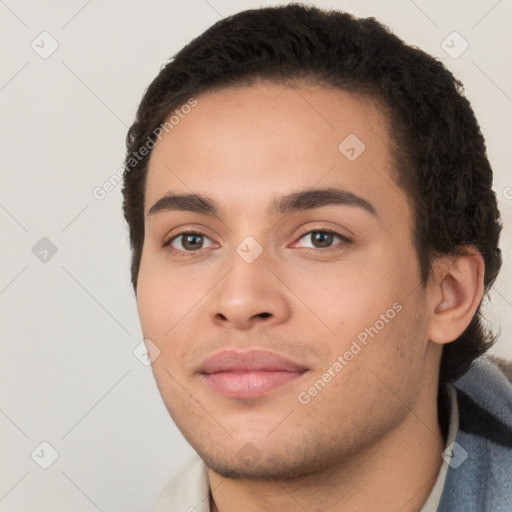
(248, 374)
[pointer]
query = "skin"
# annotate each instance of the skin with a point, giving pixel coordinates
(370, 439)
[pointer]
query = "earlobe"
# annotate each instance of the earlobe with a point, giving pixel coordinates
(454, 293)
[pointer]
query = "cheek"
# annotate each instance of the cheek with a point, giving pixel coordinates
(367, 302)
(168, 300)
(348, 297)
(150, 295)
(159, 298)
(164, 320)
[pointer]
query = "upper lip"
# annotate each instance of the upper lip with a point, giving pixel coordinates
(249, 360)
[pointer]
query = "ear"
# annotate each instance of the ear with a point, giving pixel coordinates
(454, 292)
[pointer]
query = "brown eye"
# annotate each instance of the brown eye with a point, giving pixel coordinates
(192, 242)
(323, 239)
(188, 242)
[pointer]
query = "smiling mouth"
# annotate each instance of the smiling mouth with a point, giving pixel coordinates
(249, 383)
(248, 374)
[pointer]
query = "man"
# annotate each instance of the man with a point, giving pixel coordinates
(313, 229)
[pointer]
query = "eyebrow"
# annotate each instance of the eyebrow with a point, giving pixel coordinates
(297, 201)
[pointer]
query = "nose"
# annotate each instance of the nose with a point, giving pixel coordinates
(249, 294)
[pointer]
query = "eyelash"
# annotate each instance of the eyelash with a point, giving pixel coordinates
(344, 241)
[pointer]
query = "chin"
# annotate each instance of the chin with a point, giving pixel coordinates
(251, 463)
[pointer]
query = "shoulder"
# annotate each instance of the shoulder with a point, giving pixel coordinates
(504, 365)
(480, 477)
(485, 399)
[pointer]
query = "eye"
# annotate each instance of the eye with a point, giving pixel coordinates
(188, 242)
(323, 239)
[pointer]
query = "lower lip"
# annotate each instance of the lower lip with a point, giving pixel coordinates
(248, 384)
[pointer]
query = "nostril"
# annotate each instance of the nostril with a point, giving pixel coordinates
(264, 315)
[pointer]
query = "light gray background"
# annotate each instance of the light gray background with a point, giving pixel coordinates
(69, 325)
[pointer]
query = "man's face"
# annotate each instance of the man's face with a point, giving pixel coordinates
(332, 286)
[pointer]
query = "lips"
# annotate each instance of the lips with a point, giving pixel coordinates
(248, 374)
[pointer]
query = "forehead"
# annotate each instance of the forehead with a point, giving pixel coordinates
(244, 145)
